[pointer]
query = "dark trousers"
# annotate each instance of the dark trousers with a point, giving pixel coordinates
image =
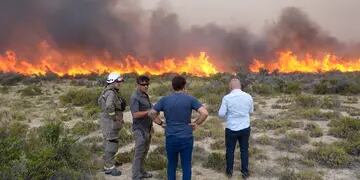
(174, 147)
(231, 137)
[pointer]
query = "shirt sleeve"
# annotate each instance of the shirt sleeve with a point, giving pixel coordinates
(251, 105)
(134, 104)
(159, 106)
(195, 104)
(223, 108)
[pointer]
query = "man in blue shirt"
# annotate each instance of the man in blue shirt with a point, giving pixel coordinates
(177, 109)
(235, 109)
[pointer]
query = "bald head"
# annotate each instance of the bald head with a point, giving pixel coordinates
(235, 84)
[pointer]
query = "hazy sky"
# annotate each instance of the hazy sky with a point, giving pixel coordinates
(340, 18)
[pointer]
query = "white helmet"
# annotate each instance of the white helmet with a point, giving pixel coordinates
(114, 77)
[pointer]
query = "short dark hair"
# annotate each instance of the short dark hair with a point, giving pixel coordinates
(178, 83)
(142, 78)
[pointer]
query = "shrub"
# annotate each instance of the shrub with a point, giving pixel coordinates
(263, 89)
(47, 153)
(84, 128)
(307, 101)
(10, 79)
(256, 153)
(125, 134)
(215, 161)
(161, 89)
(345, 128)
(81, 97)
(302, 175)
(314, 130)
(292, 141)
(4, 89)
(292, 88)
(337, 86)
(218, 145)
(329, 155)
(124, 157)
(31, 90)
(276, 124)
(316, 115)
(156, 159)
(330, 102)
(210, 128)
(263, 140)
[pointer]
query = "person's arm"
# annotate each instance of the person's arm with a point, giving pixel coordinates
(223, 108)
(155, 112)
(203, 113)
(134, 108)
(155, 116)
(109, 104)
(251, 105)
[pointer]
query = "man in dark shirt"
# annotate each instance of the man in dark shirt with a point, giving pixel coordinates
(177, 108)
(140, 105)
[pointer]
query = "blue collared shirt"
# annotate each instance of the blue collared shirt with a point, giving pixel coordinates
(236, 108)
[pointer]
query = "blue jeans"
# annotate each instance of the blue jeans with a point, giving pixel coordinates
(174, 147)
(231, 137)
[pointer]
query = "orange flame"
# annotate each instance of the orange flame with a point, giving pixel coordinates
(74, 64)
(288, 62)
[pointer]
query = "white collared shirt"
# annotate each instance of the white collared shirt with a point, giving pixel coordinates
(235, 109)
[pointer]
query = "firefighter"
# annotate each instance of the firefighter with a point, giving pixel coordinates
(111, 117)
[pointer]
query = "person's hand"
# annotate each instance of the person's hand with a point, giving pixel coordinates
(194, 125)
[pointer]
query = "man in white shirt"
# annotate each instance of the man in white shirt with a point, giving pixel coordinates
(235, 109)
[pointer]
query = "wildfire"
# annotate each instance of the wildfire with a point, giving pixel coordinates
(288, 62)
(74, 64)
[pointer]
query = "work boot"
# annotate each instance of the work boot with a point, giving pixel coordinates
(112, 171)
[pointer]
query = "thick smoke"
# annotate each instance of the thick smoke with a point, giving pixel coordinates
(121, 27)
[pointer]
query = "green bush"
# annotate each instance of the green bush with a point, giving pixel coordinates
(292, 88)
(84, 128)
(314, 130)
(316, 115)
(125, 157)
(263, 89)
(302, 175)
(292, 141)
(125, 134)
(215, 161)
(330, 103)
(31, 90)
(337, 86)
(81, 97)
(156, 159)
(276, 124)
(218, 145)
(307, 101)
(10, 79)
(4, 89)
(263, 140)
(161, 89)
(210, 128)
(329, 155)
(47, 153)
(346, 127)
